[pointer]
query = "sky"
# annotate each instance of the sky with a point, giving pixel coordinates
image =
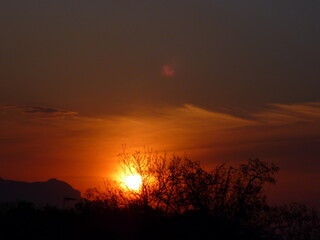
(222, 81)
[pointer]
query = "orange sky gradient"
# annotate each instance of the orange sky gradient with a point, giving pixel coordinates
(39, 143)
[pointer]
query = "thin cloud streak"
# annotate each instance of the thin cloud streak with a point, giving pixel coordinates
(41, 112)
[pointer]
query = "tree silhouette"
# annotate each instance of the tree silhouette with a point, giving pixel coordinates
(176, 184)
(292, 221)
(178, 199)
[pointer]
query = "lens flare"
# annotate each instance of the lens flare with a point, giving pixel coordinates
(167, 70)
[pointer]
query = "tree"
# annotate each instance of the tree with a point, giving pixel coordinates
(176, 185)
(230, 198)
(293, 221)
(249, 179)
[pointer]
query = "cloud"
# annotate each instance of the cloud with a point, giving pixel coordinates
(40, 112)
(289, 113)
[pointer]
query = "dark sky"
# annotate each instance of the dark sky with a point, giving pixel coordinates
(221, 80)
(226, 54)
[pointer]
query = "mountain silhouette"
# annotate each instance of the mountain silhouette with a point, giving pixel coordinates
(53, 192)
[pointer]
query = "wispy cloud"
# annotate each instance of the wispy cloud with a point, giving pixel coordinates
(289, 113)
(41, 112)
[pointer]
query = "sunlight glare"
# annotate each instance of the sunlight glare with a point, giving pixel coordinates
(133, 182)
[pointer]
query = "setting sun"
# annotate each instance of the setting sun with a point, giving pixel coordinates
(133, 182)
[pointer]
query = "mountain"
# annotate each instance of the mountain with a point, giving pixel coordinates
(53, 192)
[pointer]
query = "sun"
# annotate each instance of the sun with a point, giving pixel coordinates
(133, 182)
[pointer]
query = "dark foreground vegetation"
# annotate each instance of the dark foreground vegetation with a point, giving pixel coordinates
(178, 199)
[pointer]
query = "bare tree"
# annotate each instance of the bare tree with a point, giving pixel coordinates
(248, 185)
(176, 184)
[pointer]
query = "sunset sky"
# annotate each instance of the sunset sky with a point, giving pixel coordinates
(222, 81)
